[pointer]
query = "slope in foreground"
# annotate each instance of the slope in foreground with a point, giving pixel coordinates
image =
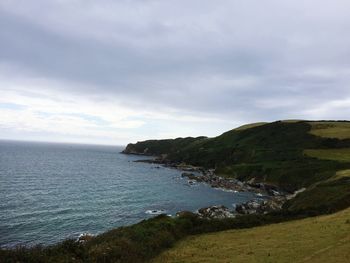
(319, 239)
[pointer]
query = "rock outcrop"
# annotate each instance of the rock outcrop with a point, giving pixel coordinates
(261, 206)
(215, 212)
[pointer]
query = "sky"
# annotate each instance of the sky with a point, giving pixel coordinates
(113, 72)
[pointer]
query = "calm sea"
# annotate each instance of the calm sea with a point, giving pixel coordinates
(50, 192)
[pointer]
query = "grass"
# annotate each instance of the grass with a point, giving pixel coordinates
(318, 239)
(342, 174)
(136, 243)
(341, 155)
(326, 196)
(291, 120)
(159, 147)
(339, 130)
(248, 126)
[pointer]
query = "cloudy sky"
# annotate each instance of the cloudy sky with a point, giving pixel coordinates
(112, 72)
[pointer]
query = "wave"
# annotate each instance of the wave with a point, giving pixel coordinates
(155, 212)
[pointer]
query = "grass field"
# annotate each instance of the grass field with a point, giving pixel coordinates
(341, 155)
(339, 130)
(318, 239)
(342, 174)
(248, 126)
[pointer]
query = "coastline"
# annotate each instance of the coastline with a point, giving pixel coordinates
(142, 241)
(269, 197)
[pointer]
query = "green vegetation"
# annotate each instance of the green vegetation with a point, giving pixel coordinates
(292, 120)
(251, 125)
(290, 154)
(326, 196)
(318, 239)
(139, 242)
(271, 152)
(339, 130)
(341, 155)
(158, 147)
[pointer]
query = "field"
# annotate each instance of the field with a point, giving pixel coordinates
(248, 126)
(339, 130)
(318, 239)
(341, 155)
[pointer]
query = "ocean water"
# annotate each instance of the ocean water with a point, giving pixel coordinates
(50, 192)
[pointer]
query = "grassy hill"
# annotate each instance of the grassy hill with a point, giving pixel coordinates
(136, 243)
(318, 239)
(325, 196)
(290, 154)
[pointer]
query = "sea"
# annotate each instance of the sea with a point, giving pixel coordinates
(50, 192)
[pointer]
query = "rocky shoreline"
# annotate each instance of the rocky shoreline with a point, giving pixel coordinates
(268, 197)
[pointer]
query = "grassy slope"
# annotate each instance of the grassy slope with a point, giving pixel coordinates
(158, 147)
(318, 239)
(292, 154)
(136, 243)
(326, 196)
(341, 155)
(322, 239)
(270, 152)
(339, 130)
(251, 125)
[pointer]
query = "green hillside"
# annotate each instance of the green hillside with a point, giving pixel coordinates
(158, 147)
(319, 239)
(136, 243)
(290, 154)
(329, 195)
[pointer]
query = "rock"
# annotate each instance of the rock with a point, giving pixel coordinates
(270, 205)
(251, 181)
(188, 168)
(261, 206)
(189, 175)
(155, 212)
(85, 237)
(163, 156)
(215, 212)
(192, 177)
(239, 183)
(191, 182)
(250, 207)
(275, 193)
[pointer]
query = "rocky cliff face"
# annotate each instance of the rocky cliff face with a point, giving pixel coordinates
(159, 147)
(133, 149)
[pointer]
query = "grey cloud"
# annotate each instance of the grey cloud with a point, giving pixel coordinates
(188, 55)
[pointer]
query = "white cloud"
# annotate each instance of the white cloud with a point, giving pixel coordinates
(119, 71)
(328, 110)
(38, 107)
